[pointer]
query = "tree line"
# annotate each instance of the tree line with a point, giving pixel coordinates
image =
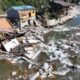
(6, 4)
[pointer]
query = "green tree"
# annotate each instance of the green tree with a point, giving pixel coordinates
(6, 4)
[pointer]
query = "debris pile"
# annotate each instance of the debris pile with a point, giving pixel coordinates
(27, 46)
(27, 43)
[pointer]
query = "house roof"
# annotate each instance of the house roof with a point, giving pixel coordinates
(5, 25)
(18, 8)
(63, 3)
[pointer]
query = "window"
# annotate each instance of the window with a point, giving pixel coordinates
(29, 14)
(23, 21)
(33, 12)
(23, 15)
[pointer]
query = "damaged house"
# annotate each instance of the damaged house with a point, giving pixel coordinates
(20, 15)
(6, 28)
(58, 8)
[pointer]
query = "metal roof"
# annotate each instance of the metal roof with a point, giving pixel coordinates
(18, 8)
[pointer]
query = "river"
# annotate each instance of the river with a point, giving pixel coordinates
(56, 36)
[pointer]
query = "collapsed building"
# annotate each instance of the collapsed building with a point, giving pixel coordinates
(5, 28)
(16, 18)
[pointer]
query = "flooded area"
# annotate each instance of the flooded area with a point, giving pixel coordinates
(67, 37)
(74, 22)
(64, 53)
(73, 74)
